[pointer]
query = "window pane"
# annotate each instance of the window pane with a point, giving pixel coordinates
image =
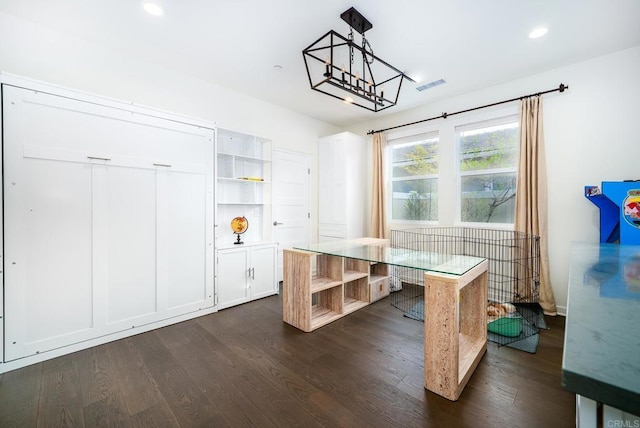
(489, 147)
(415, 199)
(488, 198)
(414, 169)
(415, 159)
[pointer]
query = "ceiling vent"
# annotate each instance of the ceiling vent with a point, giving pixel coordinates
(431, 85)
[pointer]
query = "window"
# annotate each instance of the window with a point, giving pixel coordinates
(414, 177)
(488, 160)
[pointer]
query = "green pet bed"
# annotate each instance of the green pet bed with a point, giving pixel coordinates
(510, 325)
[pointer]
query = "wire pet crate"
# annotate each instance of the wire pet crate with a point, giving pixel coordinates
(514, 275)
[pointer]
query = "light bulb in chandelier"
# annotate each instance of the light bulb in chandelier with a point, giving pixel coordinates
(327, 64)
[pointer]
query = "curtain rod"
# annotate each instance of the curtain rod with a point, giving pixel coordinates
(560, 88)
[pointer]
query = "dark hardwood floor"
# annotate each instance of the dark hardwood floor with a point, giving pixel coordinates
(244, 367)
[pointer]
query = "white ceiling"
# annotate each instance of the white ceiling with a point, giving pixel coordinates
(469, 43)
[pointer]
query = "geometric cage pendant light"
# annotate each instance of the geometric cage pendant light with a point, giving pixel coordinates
(342, 69)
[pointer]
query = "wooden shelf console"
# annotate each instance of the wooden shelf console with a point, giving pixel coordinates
(339, 287)
(355, 274)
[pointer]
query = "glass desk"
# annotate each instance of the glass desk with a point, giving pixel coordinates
(352, 274)
(421, 260)
(601, 357)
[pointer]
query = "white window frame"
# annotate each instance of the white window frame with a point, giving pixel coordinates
(402, 138)
(498, 119)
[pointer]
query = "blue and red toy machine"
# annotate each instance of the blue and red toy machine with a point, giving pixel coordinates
(619, 203)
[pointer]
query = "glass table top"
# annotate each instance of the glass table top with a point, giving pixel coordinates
(421, 260)
(602, 335)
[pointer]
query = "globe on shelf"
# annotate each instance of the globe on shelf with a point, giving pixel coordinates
(239, 225)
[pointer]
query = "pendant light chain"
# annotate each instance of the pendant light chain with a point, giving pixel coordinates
(366, 43)
(350, 45)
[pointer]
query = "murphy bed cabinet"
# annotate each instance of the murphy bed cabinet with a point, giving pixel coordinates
(108, 220)
(339, 287)
(245, 271)
(342, 210)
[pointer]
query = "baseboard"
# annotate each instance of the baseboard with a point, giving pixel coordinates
(68, 349)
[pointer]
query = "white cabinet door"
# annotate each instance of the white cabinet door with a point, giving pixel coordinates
(263, 271)
(246, 273)
(233, 277)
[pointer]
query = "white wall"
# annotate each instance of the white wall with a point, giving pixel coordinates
(590, 130)
(591, 136)
(37, 52)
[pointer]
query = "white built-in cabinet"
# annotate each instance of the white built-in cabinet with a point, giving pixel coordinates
(342, 187)
(108, 219)
(245, 271)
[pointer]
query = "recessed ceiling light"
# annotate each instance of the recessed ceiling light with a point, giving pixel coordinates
(416, 77)
(153, 8)
(277, 67)
(538, 32)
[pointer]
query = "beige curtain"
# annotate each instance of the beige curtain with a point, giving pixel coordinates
(531, 197)
(378, 214)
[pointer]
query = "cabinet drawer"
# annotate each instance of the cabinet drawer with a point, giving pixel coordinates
(333, 230)
(379, 288)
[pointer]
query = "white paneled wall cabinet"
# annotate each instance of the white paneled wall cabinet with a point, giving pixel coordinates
(107, 218)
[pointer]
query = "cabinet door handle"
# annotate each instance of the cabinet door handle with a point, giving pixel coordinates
(276, 223)
(163, 164)
(98, 158)
(253, 273)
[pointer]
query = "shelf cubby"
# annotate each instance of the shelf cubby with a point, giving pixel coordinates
(328, 306)
(356, 294)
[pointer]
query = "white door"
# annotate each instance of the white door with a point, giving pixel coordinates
(291, 196)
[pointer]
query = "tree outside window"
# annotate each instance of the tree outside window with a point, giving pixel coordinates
(488, 171)
(415, 179)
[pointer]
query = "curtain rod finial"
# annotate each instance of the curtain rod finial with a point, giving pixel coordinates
(562, 87)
